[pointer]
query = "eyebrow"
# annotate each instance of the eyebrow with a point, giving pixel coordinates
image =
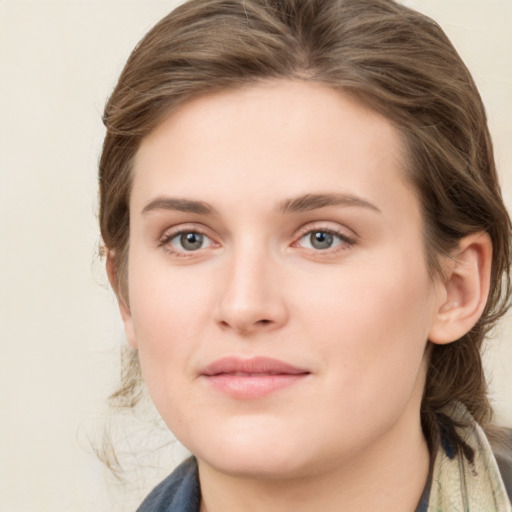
(177, 204)
(302, 203)
(308, 202)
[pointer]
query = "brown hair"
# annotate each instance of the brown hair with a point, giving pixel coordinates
(394, 60)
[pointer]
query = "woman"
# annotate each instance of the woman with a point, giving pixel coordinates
(306, 236)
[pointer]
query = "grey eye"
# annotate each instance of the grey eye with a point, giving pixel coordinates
(189, 241)
(321, 240)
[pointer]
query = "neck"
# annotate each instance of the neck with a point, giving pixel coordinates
(389, 476)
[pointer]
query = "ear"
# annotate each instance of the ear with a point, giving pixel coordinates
(465, 289)
(124, 307)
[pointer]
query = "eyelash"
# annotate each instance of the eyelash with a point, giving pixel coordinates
(346, 242)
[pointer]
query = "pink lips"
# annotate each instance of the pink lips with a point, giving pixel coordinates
(251, 378)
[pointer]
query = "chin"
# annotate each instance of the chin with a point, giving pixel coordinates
(251, 453)
(263, 465)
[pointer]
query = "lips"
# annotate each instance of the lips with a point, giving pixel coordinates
(251, 378)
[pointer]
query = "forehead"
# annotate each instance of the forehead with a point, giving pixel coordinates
(271, 140)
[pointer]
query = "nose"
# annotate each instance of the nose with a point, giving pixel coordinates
(252, 296)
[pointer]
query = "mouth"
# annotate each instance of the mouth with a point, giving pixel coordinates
(251, 378)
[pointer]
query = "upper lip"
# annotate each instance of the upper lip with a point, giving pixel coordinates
(252, 366)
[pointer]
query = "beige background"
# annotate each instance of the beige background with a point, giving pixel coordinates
(59, 328)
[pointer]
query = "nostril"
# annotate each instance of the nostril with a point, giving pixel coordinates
(264, 321)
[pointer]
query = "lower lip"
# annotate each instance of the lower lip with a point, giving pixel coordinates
(253, 386)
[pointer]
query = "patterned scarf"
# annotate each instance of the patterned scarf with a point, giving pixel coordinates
(461, 486)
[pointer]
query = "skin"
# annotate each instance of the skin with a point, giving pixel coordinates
(356, 315)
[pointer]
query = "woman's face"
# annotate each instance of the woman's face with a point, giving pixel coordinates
(279, 295)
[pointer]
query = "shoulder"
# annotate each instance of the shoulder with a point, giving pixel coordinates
(179, 492)
(503, 454)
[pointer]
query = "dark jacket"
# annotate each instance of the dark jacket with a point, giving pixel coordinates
(180, 492)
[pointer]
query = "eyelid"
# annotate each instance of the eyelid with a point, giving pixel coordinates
(329, 227)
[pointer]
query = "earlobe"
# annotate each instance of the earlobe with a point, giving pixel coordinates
(466, 287)
(124, 307)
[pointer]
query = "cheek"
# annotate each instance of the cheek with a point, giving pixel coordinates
(167, 305)
(168, 313)
(371, 323)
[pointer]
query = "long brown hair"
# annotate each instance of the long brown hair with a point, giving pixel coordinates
(393, 60)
